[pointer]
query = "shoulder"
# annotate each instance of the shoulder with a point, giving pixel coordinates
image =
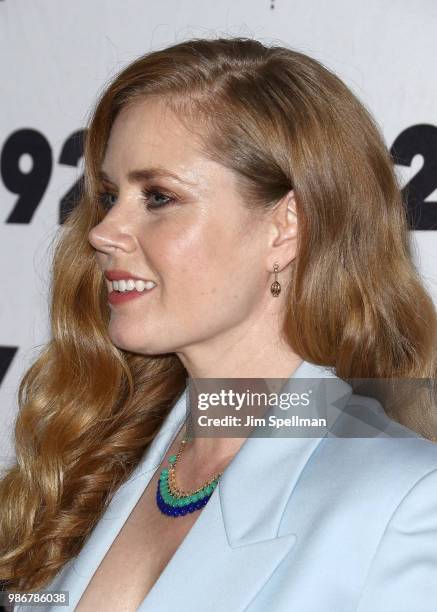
(368, 462)
(371, 447)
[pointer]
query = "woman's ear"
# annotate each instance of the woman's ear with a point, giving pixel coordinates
(284, 228)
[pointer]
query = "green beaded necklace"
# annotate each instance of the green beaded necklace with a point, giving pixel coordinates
(171, 500)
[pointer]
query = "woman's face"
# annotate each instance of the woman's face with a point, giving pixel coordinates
(204, 250)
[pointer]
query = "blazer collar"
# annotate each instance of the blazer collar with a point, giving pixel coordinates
(255, 487)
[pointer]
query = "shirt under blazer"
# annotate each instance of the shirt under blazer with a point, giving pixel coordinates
(295, 524)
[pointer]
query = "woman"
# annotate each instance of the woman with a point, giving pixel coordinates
(240, 219)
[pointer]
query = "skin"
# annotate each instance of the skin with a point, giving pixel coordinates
(211, 257)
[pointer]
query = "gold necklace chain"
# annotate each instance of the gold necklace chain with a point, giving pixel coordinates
(174, 489)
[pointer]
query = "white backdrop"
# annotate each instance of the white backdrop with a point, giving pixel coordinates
(56, 57)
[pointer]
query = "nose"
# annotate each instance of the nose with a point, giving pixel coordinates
(111, 234)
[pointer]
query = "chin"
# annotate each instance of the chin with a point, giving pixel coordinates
(145, 346)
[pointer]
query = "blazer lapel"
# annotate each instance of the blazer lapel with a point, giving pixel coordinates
(76, 574)
(237, 542)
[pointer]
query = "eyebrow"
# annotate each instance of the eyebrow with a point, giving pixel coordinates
(138, 176)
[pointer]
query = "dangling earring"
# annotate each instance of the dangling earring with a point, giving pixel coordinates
(275, 287)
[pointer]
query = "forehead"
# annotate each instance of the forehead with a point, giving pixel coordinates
(149, 133)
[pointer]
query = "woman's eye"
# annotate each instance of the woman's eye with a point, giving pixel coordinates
(103, 198)
(153, 193)
(154, 198)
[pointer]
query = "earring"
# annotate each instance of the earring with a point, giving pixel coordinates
(275, 287)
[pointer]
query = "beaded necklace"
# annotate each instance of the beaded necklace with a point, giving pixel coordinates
(171, 500)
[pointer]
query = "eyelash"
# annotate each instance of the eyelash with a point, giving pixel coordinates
(101, 197)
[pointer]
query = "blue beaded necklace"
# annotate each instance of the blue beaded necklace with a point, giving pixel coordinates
(171, 500)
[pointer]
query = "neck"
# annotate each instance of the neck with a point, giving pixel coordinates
(222, 449)
(255, 349)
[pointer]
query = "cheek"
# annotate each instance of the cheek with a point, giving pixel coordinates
(193, 254)
(179, 259)
(203, 260)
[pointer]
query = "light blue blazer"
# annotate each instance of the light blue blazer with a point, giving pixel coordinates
(300, 524)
